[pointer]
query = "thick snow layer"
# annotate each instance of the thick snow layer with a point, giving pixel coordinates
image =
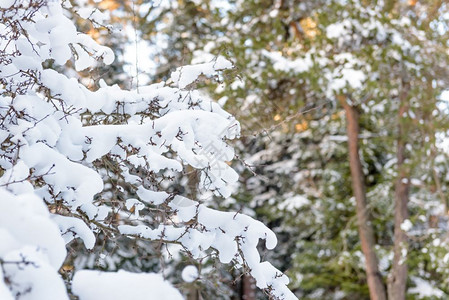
(56, 141)
(95, 285)
(6, 3)
(31, 246)
(71, 228)
(5, 293)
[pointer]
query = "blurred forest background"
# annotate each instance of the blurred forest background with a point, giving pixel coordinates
(344, 147)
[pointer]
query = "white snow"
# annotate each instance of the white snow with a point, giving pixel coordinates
(295, 202)
(189, 273)
(58, 141)
(281, 63)
(6, 3)
(338, 29)
(406, 225)
(30, 238)
(425, 288)
(72, 227)
(95, 285)
(351, 77)
(183, 76)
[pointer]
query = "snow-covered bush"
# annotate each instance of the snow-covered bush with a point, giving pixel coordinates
(62, 145)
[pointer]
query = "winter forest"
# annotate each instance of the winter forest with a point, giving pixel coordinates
(224, 149)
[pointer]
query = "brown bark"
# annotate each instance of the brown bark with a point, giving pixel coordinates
(397, 281)
(374, 278)
(248, 288)
(389, 5)
(296, 30)
(193, 294)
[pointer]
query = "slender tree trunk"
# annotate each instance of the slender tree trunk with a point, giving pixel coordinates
(374, 278)
(397, 280)
(248, 288)
(193, 294)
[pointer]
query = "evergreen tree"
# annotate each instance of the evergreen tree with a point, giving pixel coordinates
(300, 66)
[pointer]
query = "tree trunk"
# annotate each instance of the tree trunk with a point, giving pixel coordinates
(374, 278)
(193, 294)
(248, 288)
(397, 280)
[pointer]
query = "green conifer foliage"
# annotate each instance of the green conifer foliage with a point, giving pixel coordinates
(293, 60)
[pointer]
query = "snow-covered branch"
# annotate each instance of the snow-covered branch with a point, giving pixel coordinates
(61, 142)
